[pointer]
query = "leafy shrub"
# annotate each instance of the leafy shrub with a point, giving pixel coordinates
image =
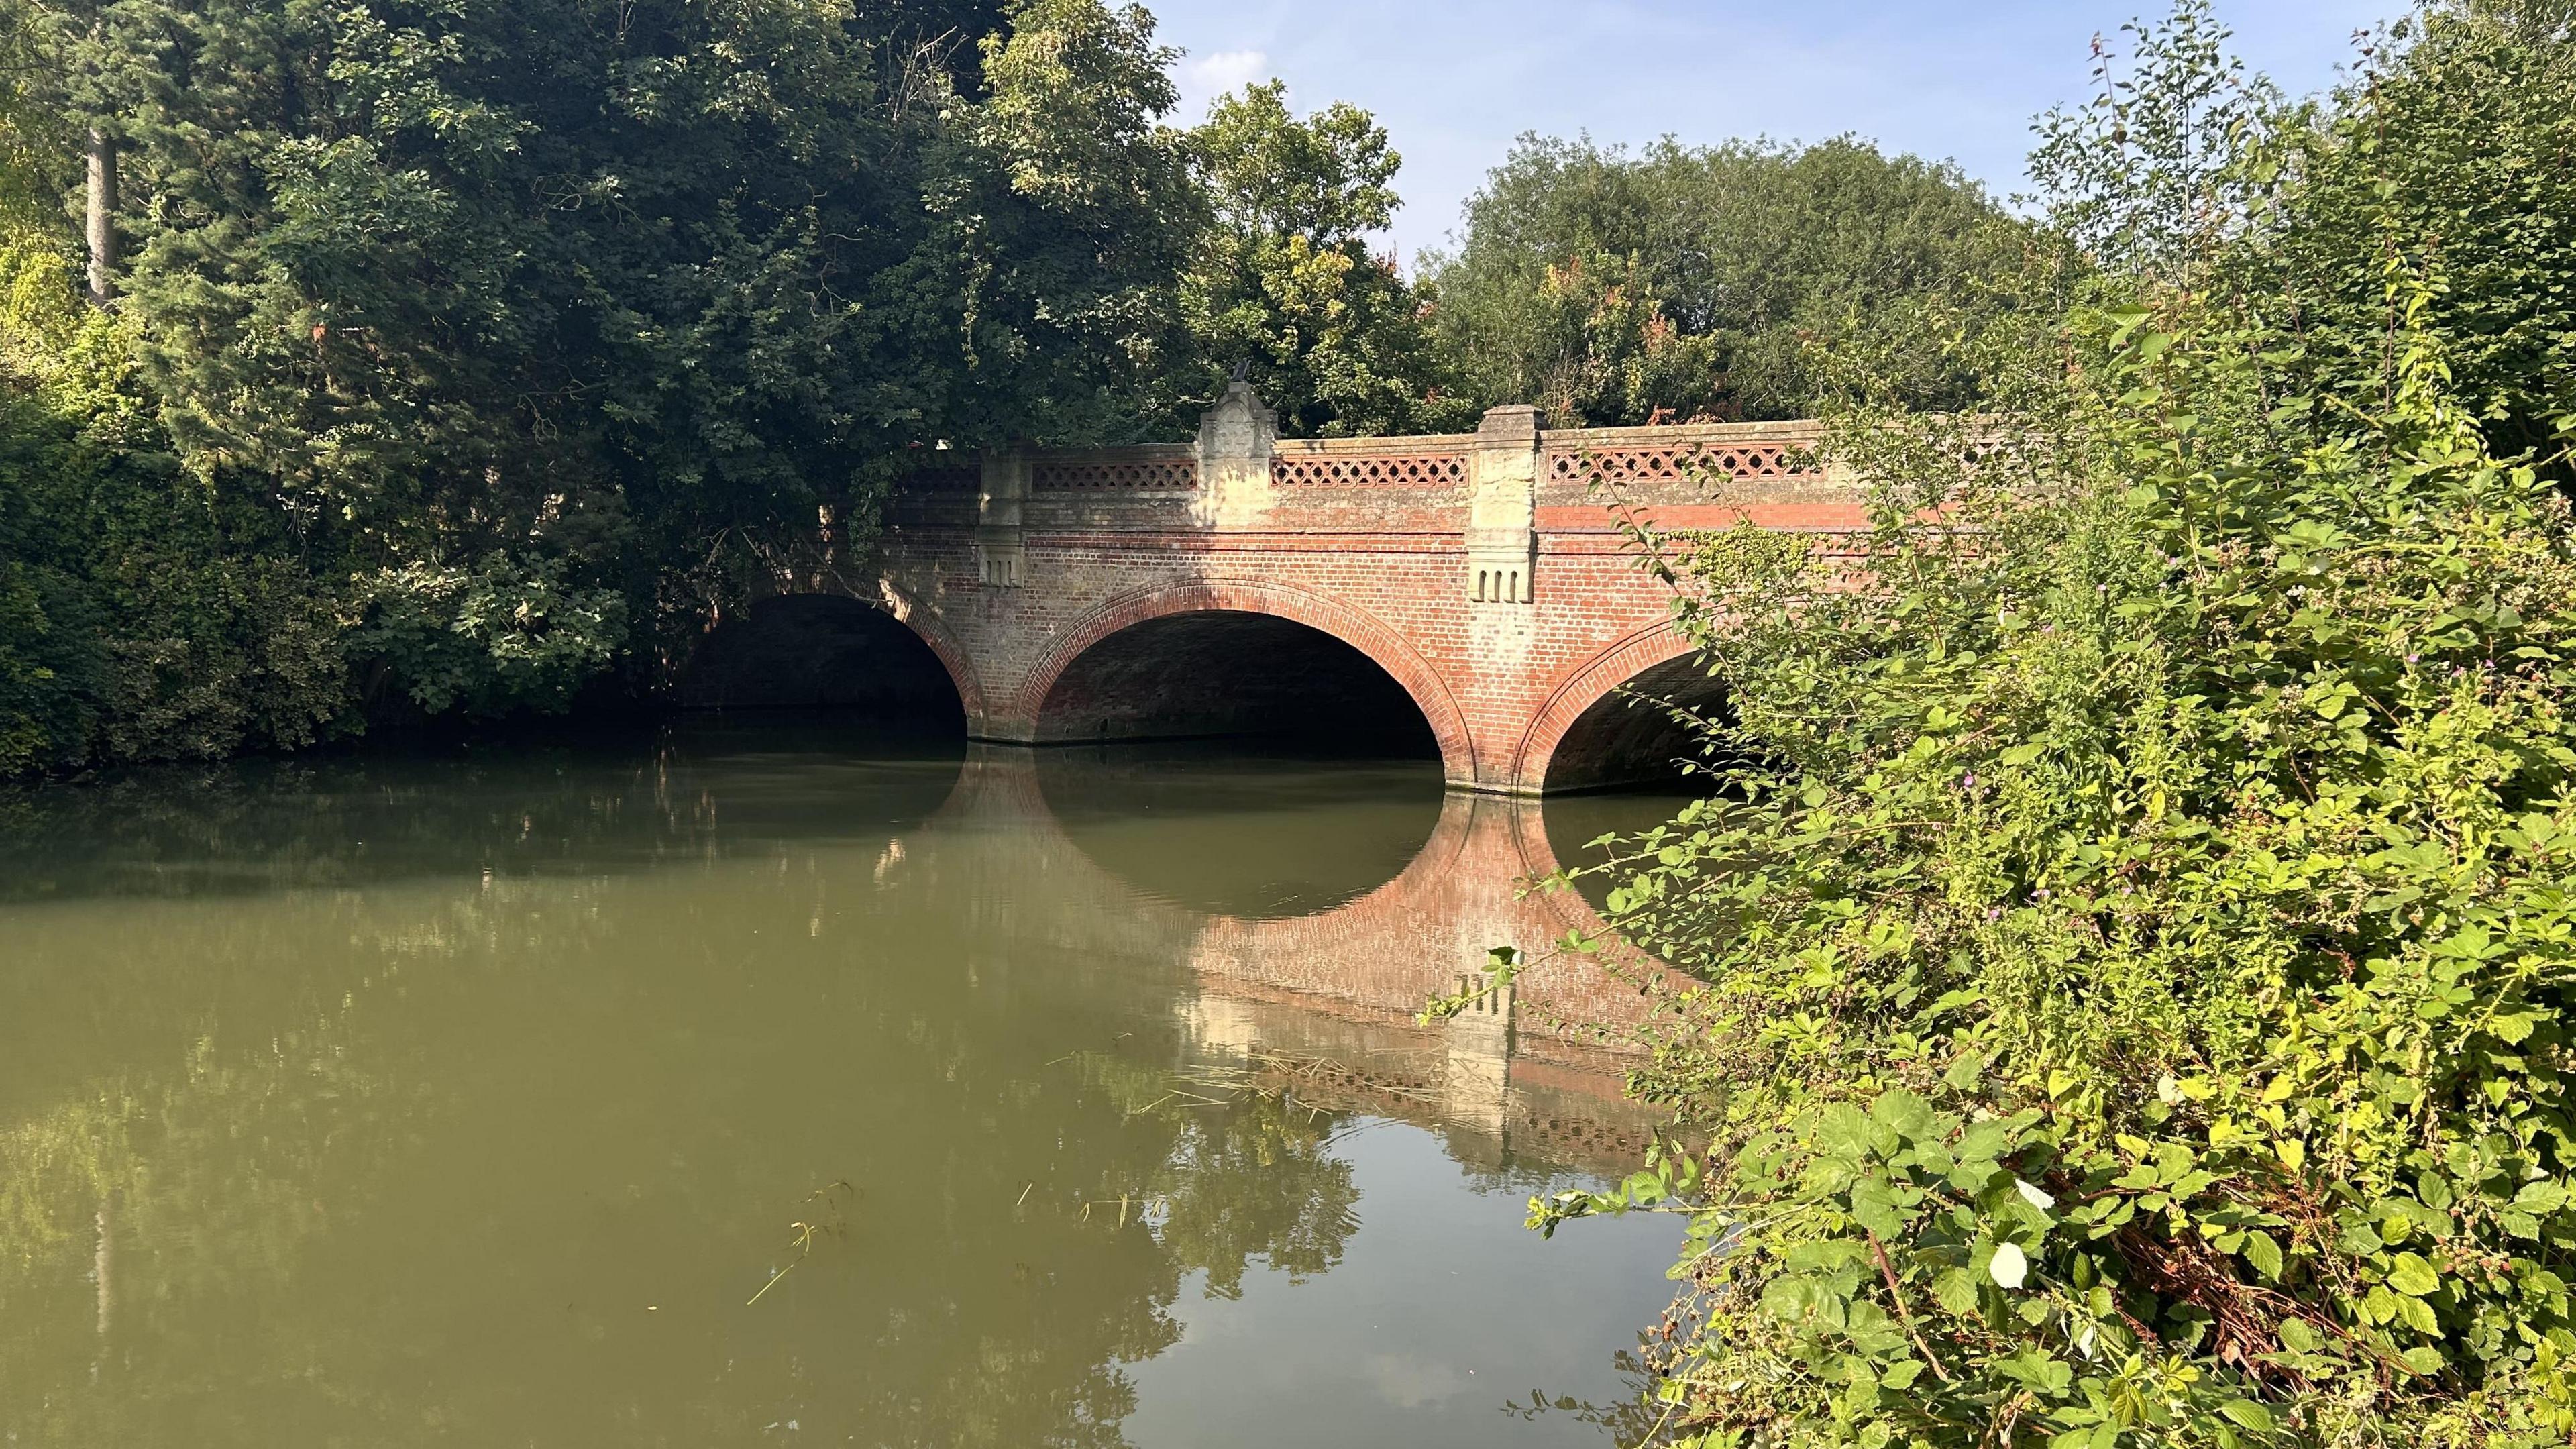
(145, 614)
(2134, 990)
(500, 636)
(2465, 137)
(2135, 997)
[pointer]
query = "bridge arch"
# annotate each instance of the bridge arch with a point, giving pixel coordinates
(1585, 734)
(1372, 637)
(907, 611)
(829, 649)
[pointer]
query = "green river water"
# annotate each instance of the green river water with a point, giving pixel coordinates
(786, 1086)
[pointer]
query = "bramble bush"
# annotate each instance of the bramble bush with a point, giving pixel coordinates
(2135, 990)
(2132, 986)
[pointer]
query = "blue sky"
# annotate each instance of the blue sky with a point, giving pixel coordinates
(1453, 83)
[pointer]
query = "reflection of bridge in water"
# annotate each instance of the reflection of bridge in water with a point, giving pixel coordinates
(370, 1096)
(1325, 1004)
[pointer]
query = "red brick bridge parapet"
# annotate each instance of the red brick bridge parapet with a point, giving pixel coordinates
(1485, 572)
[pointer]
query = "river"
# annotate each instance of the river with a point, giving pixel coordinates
(790, 1085)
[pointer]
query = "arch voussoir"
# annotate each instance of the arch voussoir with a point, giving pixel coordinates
(1642, 649)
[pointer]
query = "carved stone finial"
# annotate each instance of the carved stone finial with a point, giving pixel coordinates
(1239, 426)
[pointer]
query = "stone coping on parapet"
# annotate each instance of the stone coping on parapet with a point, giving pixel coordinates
(1377, 443)
(1793, 430)
(1775, 457)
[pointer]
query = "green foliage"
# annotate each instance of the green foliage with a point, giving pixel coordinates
(43, 666)
(492, 638)
(2135, 985)
(1600, 345)
(1070, 213)
(468, 351)
(1284, 278)
(2455, 149)
(1610, 287)
(149, 615)
(2449, 148)
(2136, 993)
(2147, 176)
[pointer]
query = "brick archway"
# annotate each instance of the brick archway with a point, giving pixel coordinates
(960, 666)
(1372, 637)
(1657, 643)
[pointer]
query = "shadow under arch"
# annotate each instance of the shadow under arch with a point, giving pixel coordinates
(833, 651)
(1605, 725)
(924, 624)
(1141, 687)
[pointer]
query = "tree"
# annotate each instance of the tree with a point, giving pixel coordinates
(2450, 155)
(2149, 178)
(2444, 155)
(526, 333)
(1073, 210)
(1283, 276)
(1712, 271)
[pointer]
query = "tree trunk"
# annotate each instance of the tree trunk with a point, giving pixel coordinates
(102, 217)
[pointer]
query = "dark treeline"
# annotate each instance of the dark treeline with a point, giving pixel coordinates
(462, 360)
(461, 356)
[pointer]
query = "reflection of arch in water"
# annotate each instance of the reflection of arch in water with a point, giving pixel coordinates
(1050, 719)
(1234, 833)
(1602, 724)
(1385, 952)
(1393, 949)
(1369, 963)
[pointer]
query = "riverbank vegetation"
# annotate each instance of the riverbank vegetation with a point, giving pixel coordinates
(2132, 999)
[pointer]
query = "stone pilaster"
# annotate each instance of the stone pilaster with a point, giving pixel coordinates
(1001, 556)
(1235, 442)
(1502, 536)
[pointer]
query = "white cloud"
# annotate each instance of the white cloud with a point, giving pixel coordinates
(1209, 76)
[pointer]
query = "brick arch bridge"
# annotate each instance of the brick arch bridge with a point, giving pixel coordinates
(1123, 592)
